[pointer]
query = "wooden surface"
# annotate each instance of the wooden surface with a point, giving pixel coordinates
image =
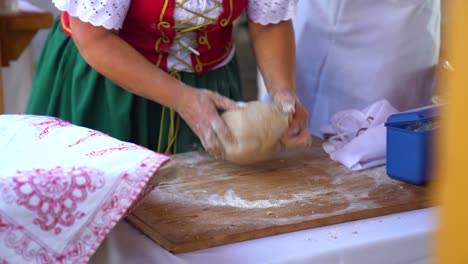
(207, 203)
(16, 32)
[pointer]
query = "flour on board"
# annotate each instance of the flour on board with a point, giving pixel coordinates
(229, 198)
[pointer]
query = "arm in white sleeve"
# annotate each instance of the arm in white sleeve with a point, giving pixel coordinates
(109, 14)
(270, 11)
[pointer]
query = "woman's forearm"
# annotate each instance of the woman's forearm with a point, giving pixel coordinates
(275, 53)
(117, 60)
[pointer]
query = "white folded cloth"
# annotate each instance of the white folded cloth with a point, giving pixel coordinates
(64, 187)
(357, 138)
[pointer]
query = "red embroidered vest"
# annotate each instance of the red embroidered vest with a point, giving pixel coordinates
(149, 28)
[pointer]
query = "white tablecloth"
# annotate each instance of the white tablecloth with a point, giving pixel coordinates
(397, 238)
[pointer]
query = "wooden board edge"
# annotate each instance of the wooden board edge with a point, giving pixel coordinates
(149, 232)
(269, 231)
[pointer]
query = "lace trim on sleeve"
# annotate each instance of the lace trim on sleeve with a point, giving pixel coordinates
(270, 11)
(106, 13)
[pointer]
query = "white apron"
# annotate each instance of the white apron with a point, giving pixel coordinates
(352, 53)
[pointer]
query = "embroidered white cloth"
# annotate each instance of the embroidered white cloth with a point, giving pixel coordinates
(358, 137)
(63, 188)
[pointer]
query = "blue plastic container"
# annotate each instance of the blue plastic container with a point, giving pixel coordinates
(409, 144)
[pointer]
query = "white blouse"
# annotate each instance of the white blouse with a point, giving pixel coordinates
(111, 15)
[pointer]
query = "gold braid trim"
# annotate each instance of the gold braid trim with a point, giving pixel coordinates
(174, 123)
(174, 118)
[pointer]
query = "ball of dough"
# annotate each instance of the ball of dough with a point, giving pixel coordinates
(257, 129)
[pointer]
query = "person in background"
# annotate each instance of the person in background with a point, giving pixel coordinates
(155, 73)
(352, 53)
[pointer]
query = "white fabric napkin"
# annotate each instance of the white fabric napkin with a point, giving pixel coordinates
(63, 188)
(358, 137)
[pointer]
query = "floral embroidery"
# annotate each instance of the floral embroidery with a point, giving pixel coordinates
(130, 177)
(61, 214)
(115, 203)
(15, 237)
(91, 134)
(18, 239)
(44, 127)
(121, 147)
(55, 193)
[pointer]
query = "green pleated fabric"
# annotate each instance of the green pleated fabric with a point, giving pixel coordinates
(65, 86)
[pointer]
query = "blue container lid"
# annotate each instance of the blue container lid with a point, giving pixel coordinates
(414, 115)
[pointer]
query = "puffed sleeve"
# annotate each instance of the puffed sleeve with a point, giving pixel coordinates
(270, 11)
(106, 13)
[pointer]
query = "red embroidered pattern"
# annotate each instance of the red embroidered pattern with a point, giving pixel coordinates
(23, 243)
(44, 127)
(79, 247)
(55, 193)
(121, 147)
(91, 134)
(113, 208)
(15, 238)
(40, 208)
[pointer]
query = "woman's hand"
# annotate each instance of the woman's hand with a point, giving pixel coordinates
(298, 134)
(130, 70)
(275, 52)
(198, 107)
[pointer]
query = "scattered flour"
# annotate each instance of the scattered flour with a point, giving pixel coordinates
(378, 174)
(193, 160)
(232, 199)
(229, 198)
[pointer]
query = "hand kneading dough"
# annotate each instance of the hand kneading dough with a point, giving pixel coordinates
(257, 129)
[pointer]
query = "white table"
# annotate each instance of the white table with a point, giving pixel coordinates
(397, 238)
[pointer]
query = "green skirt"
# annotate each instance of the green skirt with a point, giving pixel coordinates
(65, 86)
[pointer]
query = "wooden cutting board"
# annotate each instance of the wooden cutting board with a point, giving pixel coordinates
(207, 202)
